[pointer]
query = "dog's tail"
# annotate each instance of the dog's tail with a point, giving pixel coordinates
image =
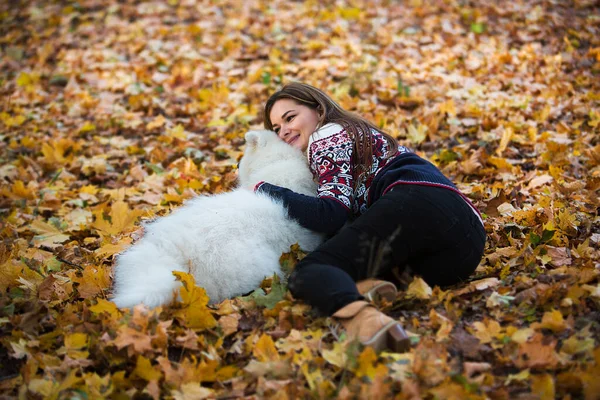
(143, 274)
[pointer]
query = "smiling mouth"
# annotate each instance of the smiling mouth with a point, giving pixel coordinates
(292, 140)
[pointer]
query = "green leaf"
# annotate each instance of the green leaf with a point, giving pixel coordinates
(157, 169)
(534, 239)
(270, 300)
(477, 27)
(547, 235)
(447, 156)
(266, 78)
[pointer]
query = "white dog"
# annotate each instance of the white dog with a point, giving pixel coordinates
(230, 242)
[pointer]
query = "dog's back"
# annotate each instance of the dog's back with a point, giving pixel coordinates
(229, 242)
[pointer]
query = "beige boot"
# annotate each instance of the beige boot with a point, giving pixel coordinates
(374, 290)
(371, 327)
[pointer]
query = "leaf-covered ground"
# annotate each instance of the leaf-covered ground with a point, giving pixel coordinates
(113, 112)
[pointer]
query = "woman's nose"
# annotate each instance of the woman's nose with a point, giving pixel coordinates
(283, 131)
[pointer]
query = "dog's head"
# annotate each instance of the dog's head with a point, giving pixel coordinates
(268, 158)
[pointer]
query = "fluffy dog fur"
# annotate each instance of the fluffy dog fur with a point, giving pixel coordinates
(230, 242)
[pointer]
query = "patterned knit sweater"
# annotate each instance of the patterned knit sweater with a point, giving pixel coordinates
(339, 198)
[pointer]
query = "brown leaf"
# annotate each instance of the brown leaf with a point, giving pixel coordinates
(138, 341)
(537, 353)
(430, 362)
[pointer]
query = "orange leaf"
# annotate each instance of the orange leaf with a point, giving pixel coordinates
(93, 282)
(122, 218)
(127, 336)
(538, 353)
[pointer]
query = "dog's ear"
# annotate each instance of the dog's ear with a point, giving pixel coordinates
(255, 139)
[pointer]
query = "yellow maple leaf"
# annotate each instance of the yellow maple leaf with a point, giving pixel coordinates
(74, 343)
(419, 288)
(350, 13)
(177, 132)
(156, 123)
(145, 370)
(109, 249)
(59, 152)
(488, 330)
(543, 386)
(265, 350)
(9, 121)
(448, 107)
(121, 218)
(313, 378)
(194, 301)
(25, 79)
(336, 356)
(566, 220)
(20, 191)
(500, 163)
(444, 324)
(552, 320)
(521, 335)
(93, 281)
(87, 127)
(417, 133)
(105, 306)
(574, 345)
(47, 235)
(12, 270)
(365, 363)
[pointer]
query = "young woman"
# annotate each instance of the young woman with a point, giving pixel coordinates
(384, 206)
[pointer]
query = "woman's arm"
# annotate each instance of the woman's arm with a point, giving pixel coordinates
(324, 215)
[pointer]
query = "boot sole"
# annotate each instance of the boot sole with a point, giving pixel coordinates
(391, 337)
(385, 291)
(397, 340)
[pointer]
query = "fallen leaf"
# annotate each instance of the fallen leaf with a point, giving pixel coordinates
(419, 289)
(145, 370)
(265, 350)
(537, 353)
(543, 387)
(47, 235)
(194, 303)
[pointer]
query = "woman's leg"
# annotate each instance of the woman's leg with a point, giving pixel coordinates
(455, 240)
(411, 224)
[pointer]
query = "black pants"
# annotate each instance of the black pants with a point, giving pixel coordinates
(431, 229)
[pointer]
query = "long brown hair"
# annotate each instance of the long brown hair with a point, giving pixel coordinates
(358, 128)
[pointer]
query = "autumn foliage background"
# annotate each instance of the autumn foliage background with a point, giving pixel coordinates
(114, 112)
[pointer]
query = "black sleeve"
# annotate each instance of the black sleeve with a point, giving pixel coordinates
(317, 214)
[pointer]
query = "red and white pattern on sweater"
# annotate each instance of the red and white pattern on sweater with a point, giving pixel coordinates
(330, 159)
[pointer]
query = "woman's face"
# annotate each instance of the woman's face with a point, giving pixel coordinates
(294, 122)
